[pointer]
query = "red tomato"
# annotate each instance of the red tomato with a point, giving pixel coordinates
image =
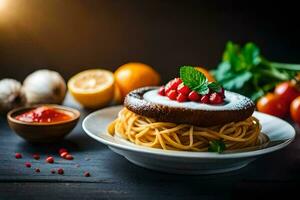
(272, 104)
(295, 110)
(287, 91)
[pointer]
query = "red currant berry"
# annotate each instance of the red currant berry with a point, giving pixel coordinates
(172, 85)
(222, 93)
(175, 83)
(181, 98)
(172, 94)
(215, 98)
(168, 87)
(183, 89)
(161, 91)
(194, 96)
(205, 99)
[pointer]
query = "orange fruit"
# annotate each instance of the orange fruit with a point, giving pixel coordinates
(117, 95)
(206, 73)
(134, 75)
(92, 88)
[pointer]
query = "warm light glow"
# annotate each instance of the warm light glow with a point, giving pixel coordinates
(2, 4)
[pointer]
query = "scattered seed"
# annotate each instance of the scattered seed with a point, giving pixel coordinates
(87, 174)
(87, 159)
(69, 157)
(37, 170)
(50, 159)
(60, 171)
(28, 164)
(61, 150)
(36, 156)
(77, 165)
(18, 155)
(52, 171)
(64, 154)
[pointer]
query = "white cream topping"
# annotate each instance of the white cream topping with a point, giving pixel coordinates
(232, 101)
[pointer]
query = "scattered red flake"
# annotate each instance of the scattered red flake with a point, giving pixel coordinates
(37, 170)
(61, 150)
(50, 159)
(60, 171)
(28, 164)
(64, 154)
(52, 171)
(87, 174)
(69, 157)
(18, 155)
(36, 156)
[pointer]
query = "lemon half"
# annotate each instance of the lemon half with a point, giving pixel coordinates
(92, 88)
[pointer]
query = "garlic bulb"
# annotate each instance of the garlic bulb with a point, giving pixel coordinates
(44, 86)
(11, 95)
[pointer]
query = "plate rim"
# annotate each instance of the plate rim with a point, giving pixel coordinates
(185, 154)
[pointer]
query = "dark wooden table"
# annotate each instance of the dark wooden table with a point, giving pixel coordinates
(113, 177)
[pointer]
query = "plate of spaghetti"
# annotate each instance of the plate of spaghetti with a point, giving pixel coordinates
(188, 127)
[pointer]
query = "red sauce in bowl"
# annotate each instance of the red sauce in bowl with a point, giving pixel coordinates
(44, 114)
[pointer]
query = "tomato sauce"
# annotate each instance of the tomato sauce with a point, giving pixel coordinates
(44, 114)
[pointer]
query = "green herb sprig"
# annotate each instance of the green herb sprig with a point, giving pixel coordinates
(197, 81)
(216, 146)
(244, 70)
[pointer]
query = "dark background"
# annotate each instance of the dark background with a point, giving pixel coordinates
(72, 35)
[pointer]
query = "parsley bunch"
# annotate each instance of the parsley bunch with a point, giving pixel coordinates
(244, 70)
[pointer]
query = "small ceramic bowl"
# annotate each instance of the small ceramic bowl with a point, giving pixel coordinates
(42, 132)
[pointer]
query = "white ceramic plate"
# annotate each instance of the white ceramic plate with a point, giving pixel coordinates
(95, 125)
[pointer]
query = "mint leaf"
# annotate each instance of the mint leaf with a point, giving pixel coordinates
(216, 146)
(214, 86)
(197, 81)
(202, 89)
(194, 79)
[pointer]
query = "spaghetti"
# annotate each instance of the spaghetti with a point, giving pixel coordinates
(148, 132)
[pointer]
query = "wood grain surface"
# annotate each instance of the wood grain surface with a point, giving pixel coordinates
(113, 177)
